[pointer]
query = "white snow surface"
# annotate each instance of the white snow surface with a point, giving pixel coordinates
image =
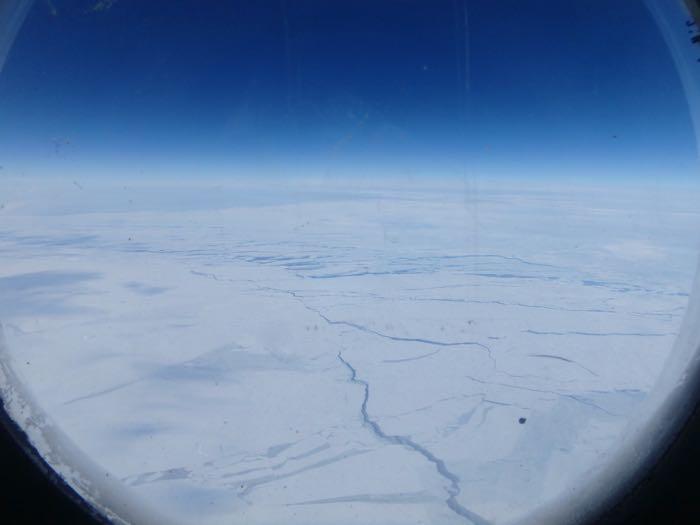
(306, 352)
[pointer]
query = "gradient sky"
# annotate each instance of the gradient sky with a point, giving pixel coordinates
(401, 87)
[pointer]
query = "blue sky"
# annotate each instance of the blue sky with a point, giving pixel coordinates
(398, 87)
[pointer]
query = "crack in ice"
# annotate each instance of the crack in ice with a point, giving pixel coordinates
(602, 334)
(566, 360)
(365, 329)
(574, 397)
(453, 490)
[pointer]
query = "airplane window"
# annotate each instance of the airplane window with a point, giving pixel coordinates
(310, 262)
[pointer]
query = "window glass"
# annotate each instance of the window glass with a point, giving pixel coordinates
(318, 262)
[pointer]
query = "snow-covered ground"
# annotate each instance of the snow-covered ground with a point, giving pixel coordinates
(343, 352)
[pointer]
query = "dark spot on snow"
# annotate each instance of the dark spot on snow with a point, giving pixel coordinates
(522, 420)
